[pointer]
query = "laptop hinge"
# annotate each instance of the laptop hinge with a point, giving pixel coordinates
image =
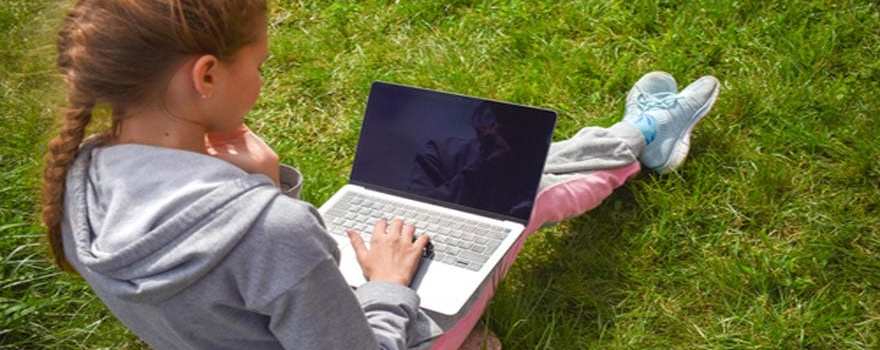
(484, 213)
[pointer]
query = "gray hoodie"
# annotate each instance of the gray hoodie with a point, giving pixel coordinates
(191, 252)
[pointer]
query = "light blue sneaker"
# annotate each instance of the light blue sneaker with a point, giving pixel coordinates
(674, 116)
(650, 87)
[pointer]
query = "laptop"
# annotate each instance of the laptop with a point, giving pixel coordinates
(463, 170)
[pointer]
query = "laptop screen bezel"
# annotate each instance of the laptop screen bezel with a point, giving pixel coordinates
(442, 203)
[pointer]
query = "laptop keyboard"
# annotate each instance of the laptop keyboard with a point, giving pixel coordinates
(454, 240)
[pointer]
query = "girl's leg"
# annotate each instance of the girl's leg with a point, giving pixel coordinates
(580, 172)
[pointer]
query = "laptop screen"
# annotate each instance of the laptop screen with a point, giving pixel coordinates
(468, 152)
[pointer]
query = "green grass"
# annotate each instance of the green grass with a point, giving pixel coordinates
(768, 237)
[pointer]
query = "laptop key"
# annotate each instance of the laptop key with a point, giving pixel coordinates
(466, 254)
(462, 263)
(479, 249)
(453, 251)
(449, 259)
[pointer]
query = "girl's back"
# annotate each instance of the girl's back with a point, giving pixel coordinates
(203, 255)
(180, 229)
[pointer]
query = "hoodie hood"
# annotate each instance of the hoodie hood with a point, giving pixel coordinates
(147, 222)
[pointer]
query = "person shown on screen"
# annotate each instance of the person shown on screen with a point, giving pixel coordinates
(467, 171)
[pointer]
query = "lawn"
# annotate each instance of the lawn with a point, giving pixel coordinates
(767, 238)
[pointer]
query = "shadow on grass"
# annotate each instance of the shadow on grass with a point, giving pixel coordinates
(569, 280)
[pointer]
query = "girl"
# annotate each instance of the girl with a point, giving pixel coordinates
(187, 228)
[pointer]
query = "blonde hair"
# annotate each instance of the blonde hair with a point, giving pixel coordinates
(116, 52)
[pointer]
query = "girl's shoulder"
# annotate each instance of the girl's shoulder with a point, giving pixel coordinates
(290, 220)
(284, 244)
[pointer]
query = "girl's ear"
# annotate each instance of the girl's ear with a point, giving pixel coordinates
(204, 75)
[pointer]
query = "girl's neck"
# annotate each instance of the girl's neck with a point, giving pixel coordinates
(158, 128)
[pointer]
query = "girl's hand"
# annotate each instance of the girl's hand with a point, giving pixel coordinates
(393, 256)
(246, 150)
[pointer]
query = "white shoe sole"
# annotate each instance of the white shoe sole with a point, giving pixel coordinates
(683, 144)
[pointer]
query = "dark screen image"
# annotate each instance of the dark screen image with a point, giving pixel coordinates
(475, 153)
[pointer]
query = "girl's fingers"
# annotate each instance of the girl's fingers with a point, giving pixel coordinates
(421, 242)
(379, 229)
(360, 250)
(407, 234)
(394, 231)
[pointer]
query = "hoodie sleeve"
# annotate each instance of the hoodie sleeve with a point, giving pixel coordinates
(291, 180)
(392, 311)
(318, 309)
(321, 312)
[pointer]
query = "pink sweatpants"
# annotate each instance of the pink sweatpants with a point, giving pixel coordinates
(554, 203)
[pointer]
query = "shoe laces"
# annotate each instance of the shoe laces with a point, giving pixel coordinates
(660, 100)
